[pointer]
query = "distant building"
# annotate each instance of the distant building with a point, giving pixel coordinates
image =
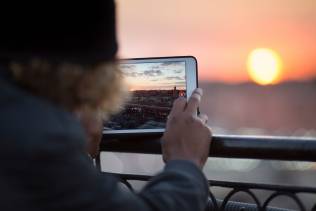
(175, 92)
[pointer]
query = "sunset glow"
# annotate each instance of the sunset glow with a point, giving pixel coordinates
(221, 34)
(264, 66)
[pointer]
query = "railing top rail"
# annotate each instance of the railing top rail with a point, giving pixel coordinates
(250, 147)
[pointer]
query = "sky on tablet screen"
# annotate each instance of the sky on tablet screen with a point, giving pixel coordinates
(155, 76)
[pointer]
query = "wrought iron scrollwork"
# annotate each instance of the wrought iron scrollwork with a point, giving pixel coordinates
(277, 190)
(227, 204)
(234, 191)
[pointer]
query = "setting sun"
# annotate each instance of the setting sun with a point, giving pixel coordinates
(264, 66)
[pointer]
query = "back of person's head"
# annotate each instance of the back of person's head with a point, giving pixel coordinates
(63, 51)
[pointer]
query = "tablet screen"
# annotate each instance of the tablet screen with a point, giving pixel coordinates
(153, 86)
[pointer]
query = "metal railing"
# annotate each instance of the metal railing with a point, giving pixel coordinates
(250, 147)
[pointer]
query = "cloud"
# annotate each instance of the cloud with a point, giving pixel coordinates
(178, 71)
(127, 66)
(155, 67)
(171, 78)
(174, 83)
(132, 74)
(152, 73)
(171, 63)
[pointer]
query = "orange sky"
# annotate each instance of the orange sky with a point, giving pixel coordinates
(221, 33)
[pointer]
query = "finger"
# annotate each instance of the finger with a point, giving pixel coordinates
(178, 106)
(194, 101)
(198, 91)
(204, 118)
(210, 130)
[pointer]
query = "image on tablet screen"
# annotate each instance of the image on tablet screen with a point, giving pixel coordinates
(153, 87)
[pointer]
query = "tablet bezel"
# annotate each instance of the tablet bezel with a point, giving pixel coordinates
(191, 75)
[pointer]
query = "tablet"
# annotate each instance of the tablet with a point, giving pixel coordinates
(154, 83)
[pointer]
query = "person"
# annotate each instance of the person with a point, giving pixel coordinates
(58, 75)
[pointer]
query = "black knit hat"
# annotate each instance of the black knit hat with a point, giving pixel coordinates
(69, 30)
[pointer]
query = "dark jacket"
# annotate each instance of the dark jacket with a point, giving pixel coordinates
(44, 165)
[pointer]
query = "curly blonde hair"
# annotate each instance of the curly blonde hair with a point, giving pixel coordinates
(97, 87)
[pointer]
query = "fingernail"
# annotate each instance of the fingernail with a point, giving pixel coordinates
(201, 91)
(198, 91)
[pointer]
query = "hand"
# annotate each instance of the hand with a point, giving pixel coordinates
(92, 123)
(187, 137)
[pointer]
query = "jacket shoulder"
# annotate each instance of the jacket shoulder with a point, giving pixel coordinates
(29, 122)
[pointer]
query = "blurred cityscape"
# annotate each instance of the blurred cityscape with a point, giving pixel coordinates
(286, 109)
(147, 109)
